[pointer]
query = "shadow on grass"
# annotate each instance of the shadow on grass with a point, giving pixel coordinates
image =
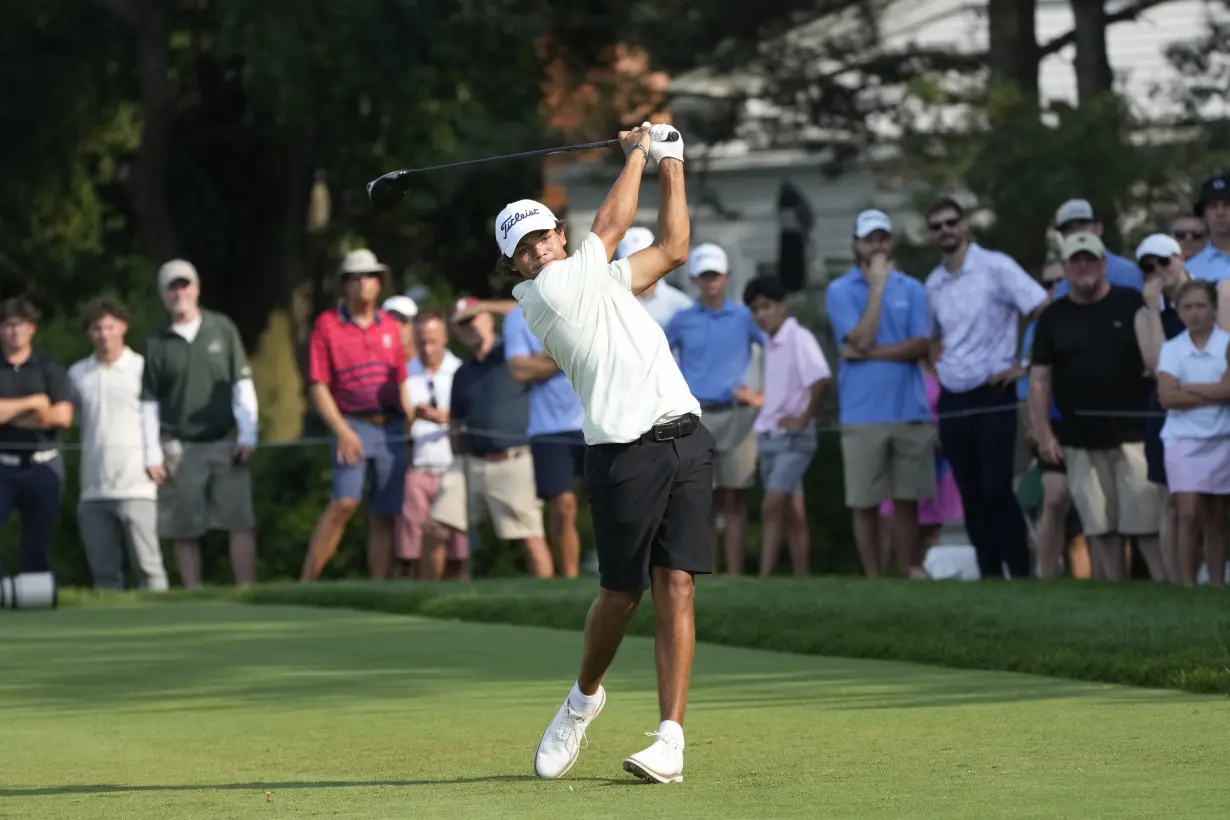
(113, 788)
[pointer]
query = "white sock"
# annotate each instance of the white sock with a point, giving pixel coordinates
(581, 703)
(672, 731)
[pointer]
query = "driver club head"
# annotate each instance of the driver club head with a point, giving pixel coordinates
(388, 191)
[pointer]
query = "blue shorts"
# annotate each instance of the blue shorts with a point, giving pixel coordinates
(559, 460)
(384, 449)
(784, 458)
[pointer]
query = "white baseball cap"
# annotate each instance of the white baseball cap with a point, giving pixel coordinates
(1074, 210)
(403, 306)
(176, 270)
(868, 222)
(636, 239)
(519, 218)
(1160, 245)
(1083, 242)
(707, 258)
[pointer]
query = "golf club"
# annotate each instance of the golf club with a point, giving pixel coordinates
(387, 191)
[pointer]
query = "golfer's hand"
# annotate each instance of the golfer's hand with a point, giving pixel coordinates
(1049, 449)
(877, 269)
(349, 447)
(628, 140)
(157, 474)
(660, 150)
(243, 453)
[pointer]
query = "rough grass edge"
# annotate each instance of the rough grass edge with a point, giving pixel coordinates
(880, 629)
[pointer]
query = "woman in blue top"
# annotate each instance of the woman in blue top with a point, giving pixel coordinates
(1161, 260)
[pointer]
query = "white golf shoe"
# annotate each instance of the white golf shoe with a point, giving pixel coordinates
(561, 743)
(660, 763)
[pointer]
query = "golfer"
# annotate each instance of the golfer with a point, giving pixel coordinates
(649, 462)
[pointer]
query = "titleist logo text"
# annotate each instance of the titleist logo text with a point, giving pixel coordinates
(507, 224)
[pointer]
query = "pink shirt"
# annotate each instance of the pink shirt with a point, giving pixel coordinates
(793, 362)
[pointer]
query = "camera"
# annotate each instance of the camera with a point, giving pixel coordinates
(30, 590)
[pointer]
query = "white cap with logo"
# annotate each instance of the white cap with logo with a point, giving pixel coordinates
(868, 222)
(519, 218)
(1083, 242)
(177, 270)
(1160, 245)
(636, 239)
(707, 258)
(1074, 210)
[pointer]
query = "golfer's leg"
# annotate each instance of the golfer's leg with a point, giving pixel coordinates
(604, 631)
(628, 487)
(680, 550)
(675, 643)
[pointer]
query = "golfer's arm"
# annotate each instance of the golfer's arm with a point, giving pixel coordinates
(670, 247)
(619, 209)
(322, 399)
(12, 408)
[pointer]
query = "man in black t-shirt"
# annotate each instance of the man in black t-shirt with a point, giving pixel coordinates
(1086, 356)
(35, 405)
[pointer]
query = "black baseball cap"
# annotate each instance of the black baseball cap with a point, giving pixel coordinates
(1213, 190)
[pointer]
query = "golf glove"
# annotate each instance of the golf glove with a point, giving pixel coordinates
(661, 150)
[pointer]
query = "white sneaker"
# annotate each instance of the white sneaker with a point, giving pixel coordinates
(660, 763)
(561, 743)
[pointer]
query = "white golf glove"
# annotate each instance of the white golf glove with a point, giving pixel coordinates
(660, 150)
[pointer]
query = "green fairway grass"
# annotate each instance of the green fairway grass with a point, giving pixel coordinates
(197, 709)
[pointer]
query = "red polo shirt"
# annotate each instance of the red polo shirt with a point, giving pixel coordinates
(363, 367)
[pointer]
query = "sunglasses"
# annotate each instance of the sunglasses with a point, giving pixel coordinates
(1149, 265)
(1051, 284)
(946, 223)
(354, 277)
(431, 392)
(1182, 235)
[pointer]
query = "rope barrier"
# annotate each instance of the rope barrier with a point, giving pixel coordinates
(317, 441)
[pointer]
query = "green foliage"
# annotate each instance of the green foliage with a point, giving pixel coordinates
(1064, 629)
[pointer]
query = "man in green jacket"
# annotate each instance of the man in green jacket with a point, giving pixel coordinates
(199, 427)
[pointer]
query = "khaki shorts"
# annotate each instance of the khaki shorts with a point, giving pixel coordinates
(204, 491)
(503, 490)
(887, 461)
(1111, 490)
(734, 467)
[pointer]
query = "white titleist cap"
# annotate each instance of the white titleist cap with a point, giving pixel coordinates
(707, 258)
(1160, 245)
(176, 270)
(868, 222)
(519, 218)
(636, 239)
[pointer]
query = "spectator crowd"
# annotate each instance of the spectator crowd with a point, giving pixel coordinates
(1098, 434)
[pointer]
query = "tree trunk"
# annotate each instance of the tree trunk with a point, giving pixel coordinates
(149, 24)
(1093, 74)
(1013, 54)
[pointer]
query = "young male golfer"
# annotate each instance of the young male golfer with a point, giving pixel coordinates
(649, 462)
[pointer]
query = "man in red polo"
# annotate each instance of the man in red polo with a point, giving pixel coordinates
(357, 366)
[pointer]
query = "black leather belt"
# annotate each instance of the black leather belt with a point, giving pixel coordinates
(680, 427)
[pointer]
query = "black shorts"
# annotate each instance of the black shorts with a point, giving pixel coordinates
(559, 460)
(650, 502)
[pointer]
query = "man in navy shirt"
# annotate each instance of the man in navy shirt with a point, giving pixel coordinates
(713, 341)
(489, 414)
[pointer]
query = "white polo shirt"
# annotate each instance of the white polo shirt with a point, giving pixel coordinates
(615, 354)
(107, 402)
(976, 312)
(1181, 359)
(432, 450)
